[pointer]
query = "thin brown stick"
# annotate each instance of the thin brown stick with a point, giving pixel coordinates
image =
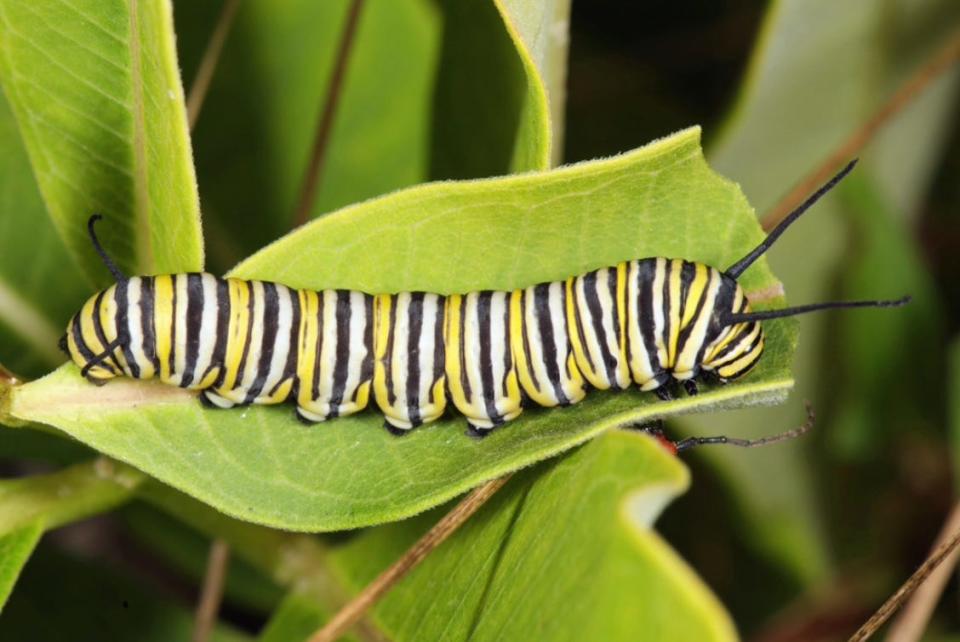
(913, 620)
(936, 65)
(354, 609)
(212, 591)
(311, 178)
(896, 600)
(208, 64)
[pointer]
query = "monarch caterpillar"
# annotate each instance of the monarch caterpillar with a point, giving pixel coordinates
(648, 322)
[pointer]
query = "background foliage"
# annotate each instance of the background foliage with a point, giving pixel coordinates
(796, 542)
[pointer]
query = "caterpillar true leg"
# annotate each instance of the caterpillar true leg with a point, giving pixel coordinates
(666, 392)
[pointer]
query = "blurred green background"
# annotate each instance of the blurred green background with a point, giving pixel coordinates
(800, 542)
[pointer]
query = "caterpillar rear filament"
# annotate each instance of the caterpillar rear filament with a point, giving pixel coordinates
(649, 323)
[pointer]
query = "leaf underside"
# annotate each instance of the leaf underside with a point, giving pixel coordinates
(565, 550)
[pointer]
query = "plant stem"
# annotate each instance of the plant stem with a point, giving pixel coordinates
(450, 522)
(942, 60)
(311, 178)
(212, 591)
(913, 582)
(208, 64)
(68, 495)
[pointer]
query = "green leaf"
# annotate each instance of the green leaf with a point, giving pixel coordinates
(261, 465)
(432, 90)
(65, 496)
(64, 598)
(565, 551)
(490, 110)
(781, 128)
(579, 524)
(297, 617)
(39, 286)
(15, 549)
(96, 92)
(540, 32)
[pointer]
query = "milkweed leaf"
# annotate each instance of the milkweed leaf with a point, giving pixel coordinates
(261, 465)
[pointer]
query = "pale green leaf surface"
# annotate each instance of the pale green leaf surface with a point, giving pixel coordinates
(564, 551)
(39, 285)
(849, 53)
(540, 33)
(15, 549)
(96, 92)
(261, 465)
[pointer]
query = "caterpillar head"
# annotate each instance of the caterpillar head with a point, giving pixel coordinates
(91, 340)
(735, 341)
(732, 349)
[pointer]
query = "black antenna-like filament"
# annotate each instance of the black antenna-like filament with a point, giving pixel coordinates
(747, 317)
(738, 268)
(693, 442)
(114, 270)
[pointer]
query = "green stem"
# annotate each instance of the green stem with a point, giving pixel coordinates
(67, 495)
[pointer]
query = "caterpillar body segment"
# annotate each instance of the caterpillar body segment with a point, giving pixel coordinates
(545, 362)
(481, 372)
(648, 322)
(409, 379)
(484, 353)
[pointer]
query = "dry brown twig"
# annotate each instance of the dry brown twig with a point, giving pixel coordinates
(896, 600)
(936, 65)
(913, 620)
(354, 610)
(208, 64)
(212, 591)
(311, 178)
